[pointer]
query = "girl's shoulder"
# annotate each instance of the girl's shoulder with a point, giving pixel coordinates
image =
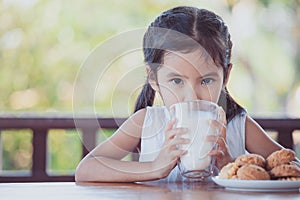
(142, 118)
(133, 124)
(238, 121)
(139, 116)
(238, 117)
(143, 114)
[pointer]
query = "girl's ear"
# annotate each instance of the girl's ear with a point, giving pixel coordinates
(152, 79)
(227, 75)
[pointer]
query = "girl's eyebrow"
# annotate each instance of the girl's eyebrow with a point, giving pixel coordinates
(172, 74)
(214, 74)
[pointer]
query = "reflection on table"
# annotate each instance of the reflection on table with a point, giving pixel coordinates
(149, 190)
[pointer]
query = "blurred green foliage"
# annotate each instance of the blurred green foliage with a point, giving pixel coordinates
(16, 149)
(64, 151)
(43, 44)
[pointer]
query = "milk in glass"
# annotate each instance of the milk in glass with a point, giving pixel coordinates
(197, 119)
(197, 157)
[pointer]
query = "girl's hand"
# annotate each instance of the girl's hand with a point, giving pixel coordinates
(169, 153)
(222, 153)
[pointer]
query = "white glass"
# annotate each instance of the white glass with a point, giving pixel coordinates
(196, 116)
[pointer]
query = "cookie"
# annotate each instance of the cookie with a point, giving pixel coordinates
(228, 171)
(254, 159)
(252, 172)
(283, 156)
(289, 179)
(285, 170)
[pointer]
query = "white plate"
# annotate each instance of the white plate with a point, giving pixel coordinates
(258, 185)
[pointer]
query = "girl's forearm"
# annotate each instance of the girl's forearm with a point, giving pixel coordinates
(102, 169)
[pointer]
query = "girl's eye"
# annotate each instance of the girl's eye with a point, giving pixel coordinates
(207, 81)
(177, 81)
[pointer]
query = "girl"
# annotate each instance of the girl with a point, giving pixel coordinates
(187, 52)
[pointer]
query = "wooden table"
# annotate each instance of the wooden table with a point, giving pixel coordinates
(144, 191)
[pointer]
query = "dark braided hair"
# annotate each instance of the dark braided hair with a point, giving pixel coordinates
(184, 29)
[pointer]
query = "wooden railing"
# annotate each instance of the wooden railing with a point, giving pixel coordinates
(89, 128)
(40, 127)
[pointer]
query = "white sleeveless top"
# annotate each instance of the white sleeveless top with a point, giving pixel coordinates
(152, 137)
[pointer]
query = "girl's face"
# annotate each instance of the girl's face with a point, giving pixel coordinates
(188, 76)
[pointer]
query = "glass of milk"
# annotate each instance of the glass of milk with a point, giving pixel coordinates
(196, 116)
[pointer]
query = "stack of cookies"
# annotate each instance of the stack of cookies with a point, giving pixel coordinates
(278, 166)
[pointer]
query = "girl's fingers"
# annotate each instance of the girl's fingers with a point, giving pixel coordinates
(222, 116)
(175, 132)
(177, 153)
(219, 126)
(179, 141)
(174, 139)
(175, 143)
(221, 143)
(170, 125)
(218, 139)
(218, 153)
(212, 138)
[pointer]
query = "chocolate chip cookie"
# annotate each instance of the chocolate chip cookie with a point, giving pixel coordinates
(283, 156)
(285, 170)
(252, 172)
(254, 159)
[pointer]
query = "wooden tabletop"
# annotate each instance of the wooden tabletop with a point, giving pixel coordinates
(153, 191)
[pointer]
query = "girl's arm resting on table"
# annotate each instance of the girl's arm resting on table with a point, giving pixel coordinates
(104, 163)
(259, 142)
(103, 169)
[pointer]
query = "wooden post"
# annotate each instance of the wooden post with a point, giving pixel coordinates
(285, 138)
(39, 156)
(89, 139)
(1, 150)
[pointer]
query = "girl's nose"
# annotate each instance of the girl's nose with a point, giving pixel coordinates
(191, 94)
